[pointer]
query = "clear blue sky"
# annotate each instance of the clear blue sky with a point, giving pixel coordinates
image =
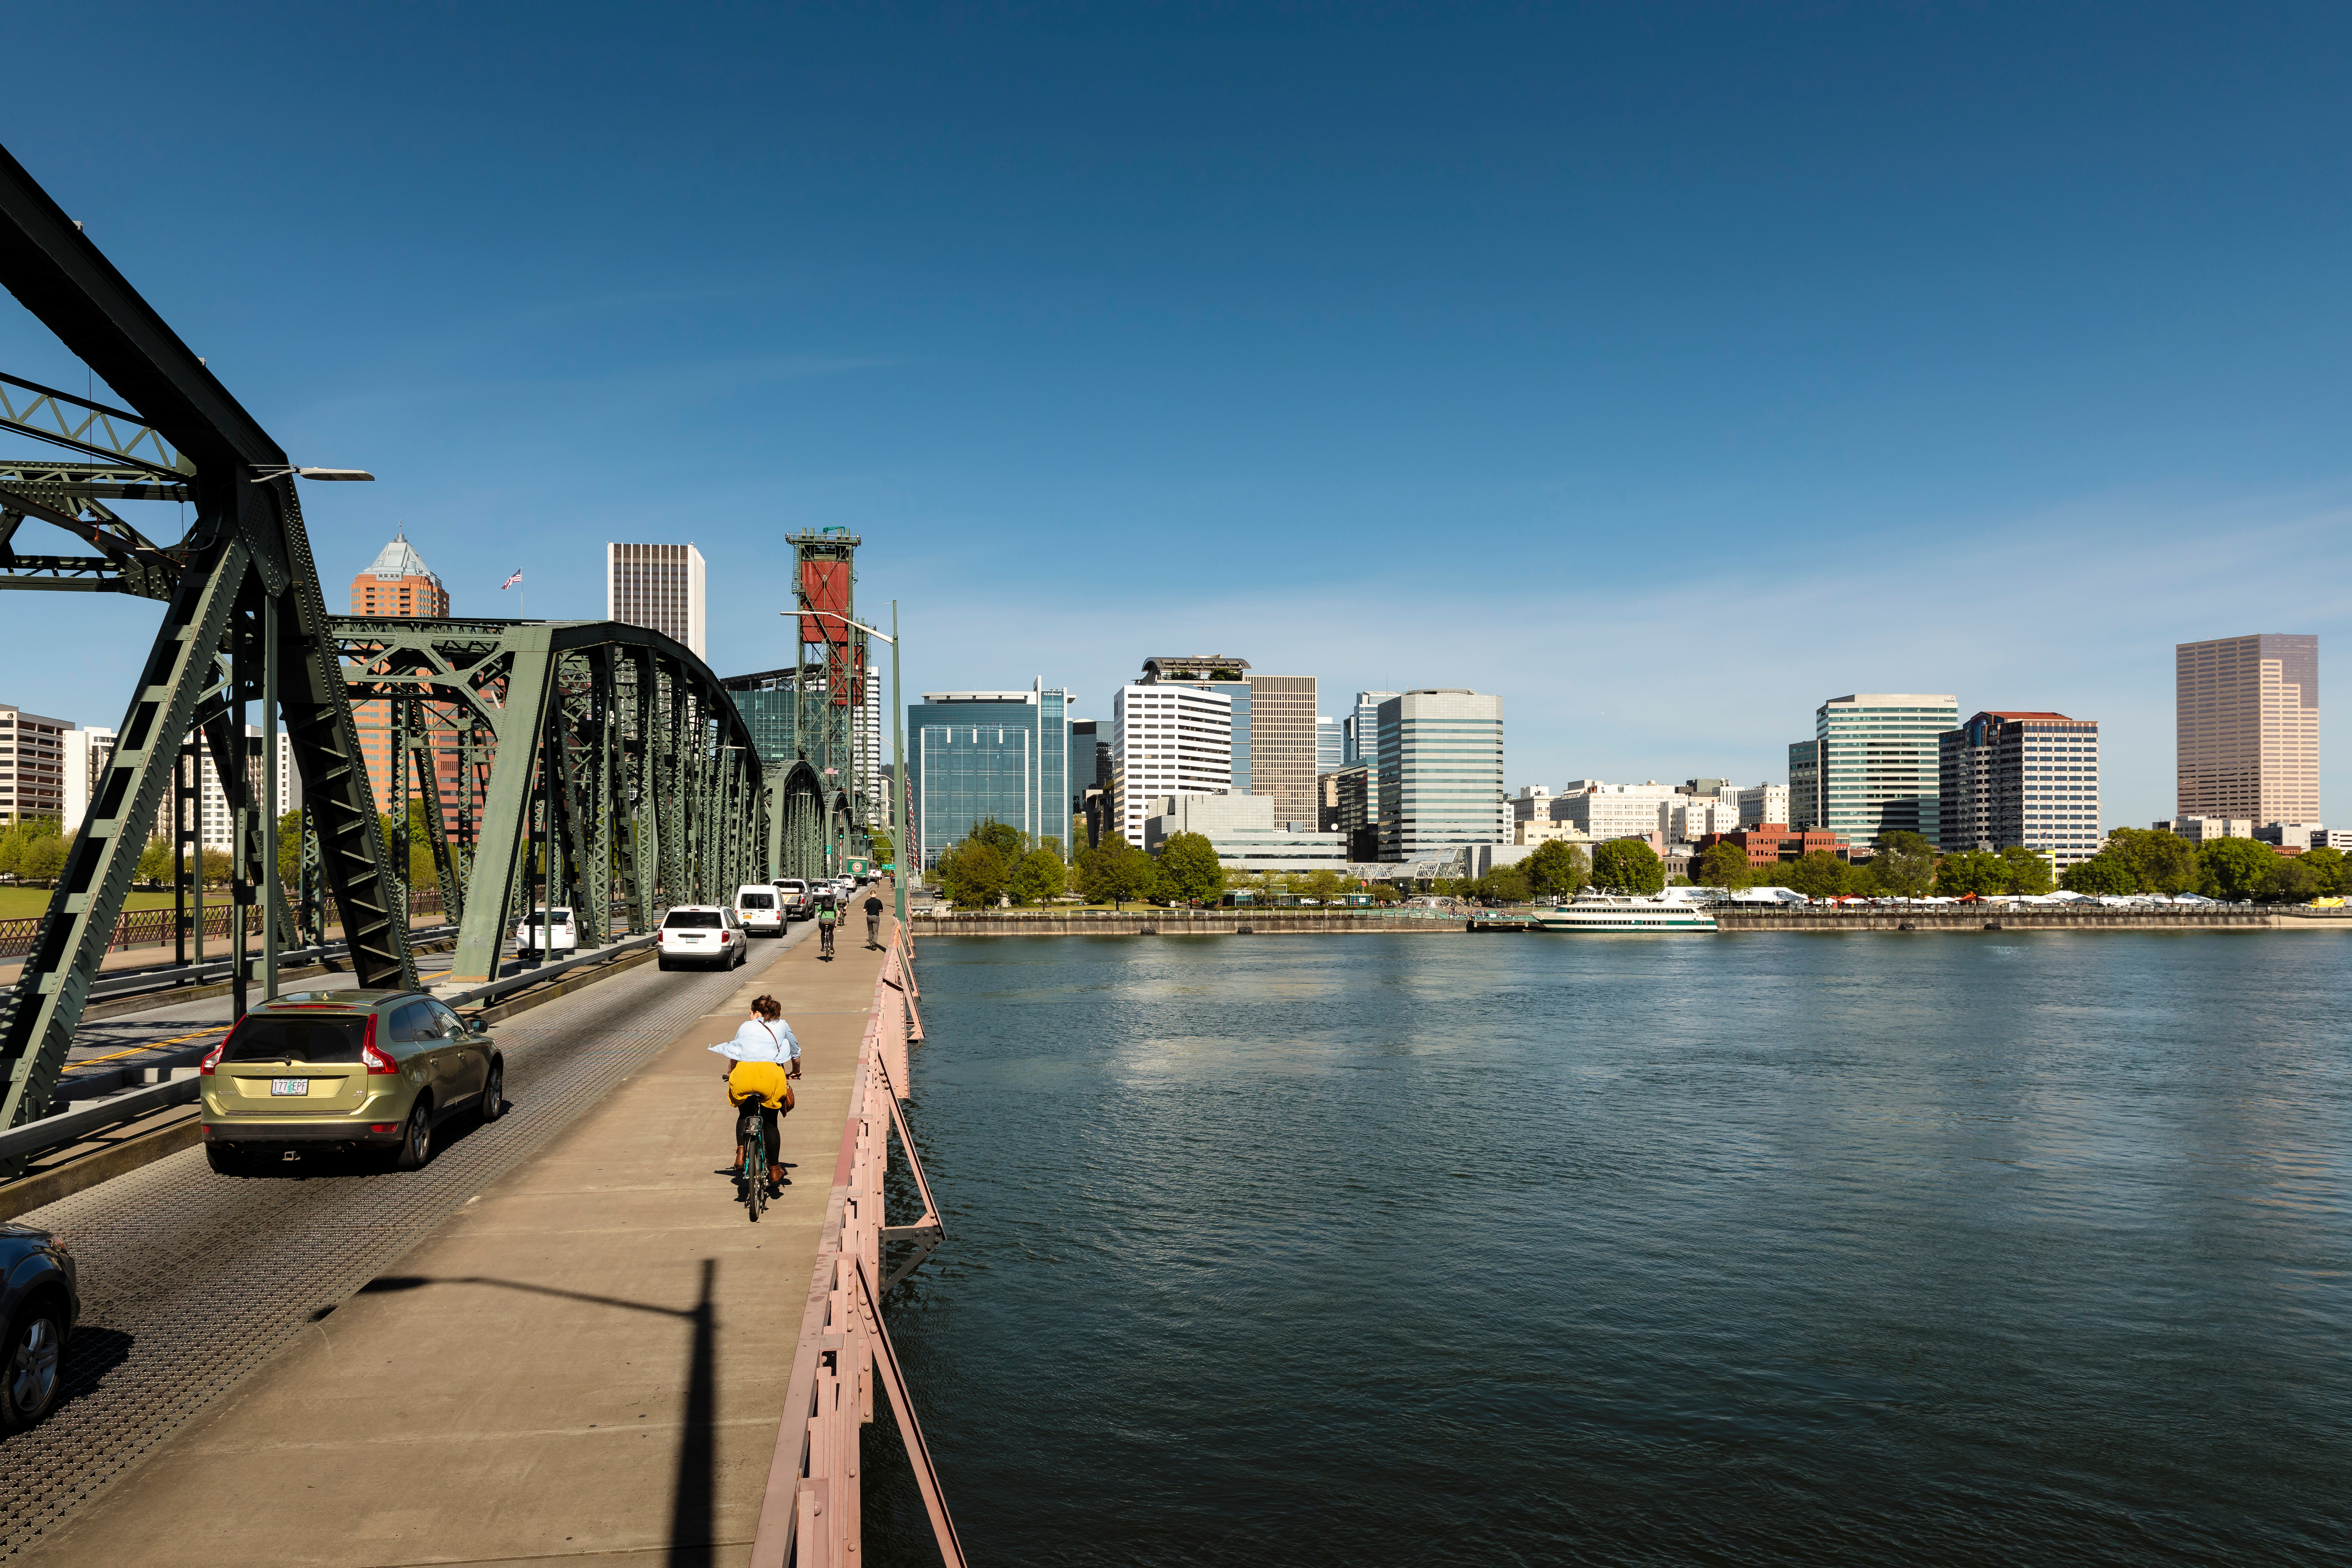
(1666, 369)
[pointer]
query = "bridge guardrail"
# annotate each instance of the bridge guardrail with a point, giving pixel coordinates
(811, 1514)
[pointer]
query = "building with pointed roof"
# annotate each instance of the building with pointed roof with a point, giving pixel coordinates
(398, 586)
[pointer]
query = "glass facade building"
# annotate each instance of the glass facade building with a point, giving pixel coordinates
(2017, 778)
(982, 756)
(1880, 764)
(1440, 773)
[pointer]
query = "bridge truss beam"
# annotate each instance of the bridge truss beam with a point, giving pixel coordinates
(599, 766)
(243, 617)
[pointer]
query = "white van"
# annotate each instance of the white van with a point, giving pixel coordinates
(761, 910)
(562, 936)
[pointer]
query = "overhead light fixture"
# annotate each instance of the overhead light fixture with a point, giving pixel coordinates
(264, 476)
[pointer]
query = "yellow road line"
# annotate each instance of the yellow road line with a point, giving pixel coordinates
(150, 1046)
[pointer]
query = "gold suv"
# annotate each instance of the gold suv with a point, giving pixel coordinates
(345, 1070)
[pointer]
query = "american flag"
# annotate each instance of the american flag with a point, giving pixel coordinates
(511, 581)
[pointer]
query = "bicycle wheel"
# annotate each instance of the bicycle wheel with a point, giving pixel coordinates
(755, 1179)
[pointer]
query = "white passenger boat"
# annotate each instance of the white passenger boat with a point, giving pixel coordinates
(1605, 914)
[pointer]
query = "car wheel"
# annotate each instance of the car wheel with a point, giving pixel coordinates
(415, 1139)
(226, 1159)
(494, 1091)
(32, 1364)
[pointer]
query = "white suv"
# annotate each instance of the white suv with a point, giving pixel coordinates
(756, 905)
(707, 934)
(562, 936)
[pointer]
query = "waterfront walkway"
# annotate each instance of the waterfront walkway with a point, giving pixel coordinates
(586, 1361)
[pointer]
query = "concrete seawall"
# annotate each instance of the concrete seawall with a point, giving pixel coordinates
(1177, 922)
(1227, 922)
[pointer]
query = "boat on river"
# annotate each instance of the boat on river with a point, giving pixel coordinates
(1603, 914)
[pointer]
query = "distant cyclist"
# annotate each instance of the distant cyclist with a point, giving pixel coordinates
(874, 920)
(764, 1056)
(826, 918)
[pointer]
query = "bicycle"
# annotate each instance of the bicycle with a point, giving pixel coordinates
(753, 1129)
(824, 939)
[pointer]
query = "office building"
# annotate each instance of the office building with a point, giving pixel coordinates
(1537, 831)
(1601, 810)
(1773, 844)
(1763, 802)
(2247, 712)
(2292, 837)
(1878, 758)
(1243, 831)
(32, 765)
(2010, 778)
(1804, 784)
(1283, 745)
(87, 754)
(659, 587)
(1089, 759)
(1167, 738)
(1532, 803)
(1330, 745)
(398, 586)
(1686, 818)
(987, 756)
(1350, 808)
(765, 700)
(1440, 773)
(2206, 829)
(1226, 675)
(215, 823)
(1359, 731)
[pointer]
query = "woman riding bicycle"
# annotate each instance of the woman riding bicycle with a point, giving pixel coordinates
(765, 1056)
(826, 915)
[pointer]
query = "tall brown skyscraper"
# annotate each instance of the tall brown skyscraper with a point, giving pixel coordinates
(398, 586)
(2249, 727)
(1282, 744)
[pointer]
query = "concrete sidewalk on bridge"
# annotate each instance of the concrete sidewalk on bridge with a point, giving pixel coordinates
(589, 1363)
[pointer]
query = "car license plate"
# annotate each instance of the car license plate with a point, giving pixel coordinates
(300, 1086)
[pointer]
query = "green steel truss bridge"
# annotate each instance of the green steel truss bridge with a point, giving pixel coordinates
(600, 763)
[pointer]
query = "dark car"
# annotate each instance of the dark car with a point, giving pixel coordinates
(40, 1301)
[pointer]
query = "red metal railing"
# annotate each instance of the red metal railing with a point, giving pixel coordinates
(810, 1517)
(152, 927)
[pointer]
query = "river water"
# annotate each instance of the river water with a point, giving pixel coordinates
(1935, 1249)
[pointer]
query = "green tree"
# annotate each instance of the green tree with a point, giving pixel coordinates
(2235, 868)
(1323, 886)
(2101, 874)
(1971, 871)
(2160, 862)
(1628, 864)
(421, 871)
(1040, 877)
(1187, 865)
(2028, 872)
(2291, 880)
(1009, 842)
(1387, 893)
(878, 845)
(289, 851)
(2326, 867)
(1904, 866)
(1507, 884)
(1820, 875)
(972, 874)
(1557, 869)
(1723, 866)
(1114, 871)
(42, 859)
(155, 861)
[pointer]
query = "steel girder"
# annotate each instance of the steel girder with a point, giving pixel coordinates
(243, 616)
(620, 777)
(798, 821)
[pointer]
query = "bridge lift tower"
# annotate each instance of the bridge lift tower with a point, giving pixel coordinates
(832, 720)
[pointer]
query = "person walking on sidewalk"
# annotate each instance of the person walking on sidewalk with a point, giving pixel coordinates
(873, 920)
(761, 1060)
(826, 917)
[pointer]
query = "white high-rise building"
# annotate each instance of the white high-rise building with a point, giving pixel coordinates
(32, 764)
(216, 825)
(1763, 802)
(87, 751)
(1615, 811)
(660, 587)
(1166, 739)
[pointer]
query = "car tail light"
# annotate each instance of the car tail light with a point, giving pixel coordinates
(378, 1064)
(212, 1057)
(662, 935)
(725, 937)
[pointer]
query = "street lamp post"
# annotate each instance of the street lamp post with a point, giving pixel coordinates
(897, 750)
